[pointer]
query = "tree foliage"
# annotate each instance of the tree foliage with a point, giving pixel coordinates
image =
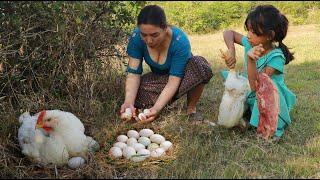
(204, 17)
(54, 49)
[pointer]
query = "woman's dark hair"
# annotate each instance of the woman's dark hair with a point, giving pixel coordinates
(154, 15)
(267, 20)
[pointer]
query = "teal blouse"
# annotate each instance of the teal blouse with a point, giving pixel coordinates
(276, 60)
(178, 54)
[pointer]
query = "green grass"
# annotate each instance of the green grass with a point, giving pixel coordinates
(214, 152)
(204, 151)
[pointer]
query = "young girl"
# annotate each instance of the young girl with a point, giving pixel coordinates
(264, 52)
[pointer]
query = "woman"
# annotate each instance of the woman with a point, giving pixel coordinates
(175, 71)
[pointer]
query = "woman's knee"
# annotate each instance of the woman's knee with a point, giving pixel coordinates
(203, 66)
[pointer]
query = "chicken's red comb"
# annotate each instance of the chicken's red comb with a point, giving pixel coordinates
(41, 116)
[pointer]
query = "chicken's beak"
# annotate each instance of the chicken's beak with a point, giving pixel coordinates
(39, 126)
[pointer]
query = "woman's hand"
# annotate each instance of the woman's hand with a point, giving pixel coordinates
(229, 58)
(150, 116)
(256, 52)
(124, 106)
(166, 95)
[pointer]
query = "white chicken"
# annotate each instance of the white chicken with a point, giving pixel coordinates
(53, 150)
(232, 104)
(52, 136)
(30, 139)
(71, 130)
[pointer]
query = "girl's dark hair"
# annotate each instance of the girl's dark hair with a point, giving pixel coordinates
(266, 19)
(154, 15)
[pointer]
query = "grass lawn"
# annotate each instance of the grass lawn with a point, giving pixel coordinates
(216, 152)
(203, 151)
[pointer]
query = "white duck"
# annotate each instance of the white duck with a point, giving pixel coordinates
(233, 100)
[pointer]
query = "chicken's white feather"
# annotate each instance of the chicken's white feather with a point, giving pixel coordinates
(54, 151)
(232, 104)
(30, 139)
(67, 138)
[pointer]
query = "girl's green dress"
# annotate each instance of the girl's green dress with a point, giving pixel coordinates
(276, 60)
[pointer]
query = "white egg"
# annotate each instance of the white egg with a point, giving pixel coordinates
(127, 114)
(138, 146)
(115, 152)
(166, 145)
(128, 152)
(76, 162)
(142, 117)
(146, 111)
(131, 141)
(146, 132)
(128, 110)
(157, 152)
(133, 134)
(153, 146)
(144, 152)
(141, 155)
(122, 138)
(120, 145)
(157, 138)
(144, 140)
(136, 158)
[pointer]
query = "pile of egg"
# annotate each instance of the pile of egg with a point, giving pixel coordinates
(137, 146)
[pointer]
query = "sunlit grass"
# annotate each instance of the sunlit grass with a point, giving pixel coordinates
(214, 152)
(203, 151)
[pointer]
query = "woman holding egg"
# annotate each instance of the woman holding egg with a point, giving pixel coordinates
(174, 70)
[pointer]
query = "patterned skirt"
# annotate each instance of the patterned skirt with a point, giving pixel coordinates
(197, 71)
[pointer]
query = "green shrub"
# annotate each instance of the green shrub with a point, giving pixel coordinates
(204, 17)
(54, 51)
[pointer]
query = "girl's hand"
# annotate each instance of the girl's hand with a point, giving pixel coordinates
(256, 52)
(229, 58)
(150, 116)
(124, 106)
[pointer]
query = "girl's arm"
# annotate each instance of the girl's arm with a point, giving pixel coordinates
(166, 95)
(253, 55)
(230, 37)
(252, 73)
